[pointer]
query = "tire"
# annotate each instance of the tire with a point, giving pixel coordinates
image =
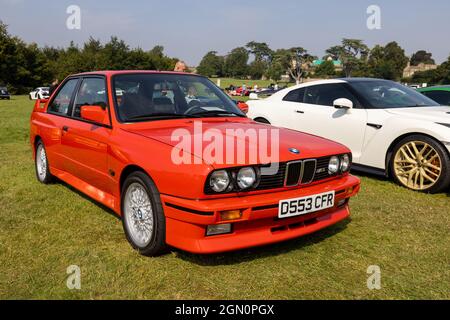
(147, 242)
(262, 120)
(41, 164)
(420, 163)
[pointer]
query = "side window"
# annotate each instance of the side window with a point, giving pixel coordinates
(295, 95)
(61, 102)
(326, 94)
(441, 97)
(92, 92)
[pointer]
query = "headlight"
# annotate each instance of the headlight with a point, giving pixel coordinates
(334, 164)
(246, 178)
(345, 163)
(219, 181)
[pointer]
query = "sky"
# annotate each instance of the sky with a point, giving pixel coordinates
(188, 29)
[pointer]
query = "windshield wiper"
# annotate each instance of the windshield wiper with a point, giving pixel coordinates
(216, 113)
(159, 115)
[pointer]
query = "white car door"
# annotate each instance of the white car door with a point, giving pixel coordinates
(317, 115)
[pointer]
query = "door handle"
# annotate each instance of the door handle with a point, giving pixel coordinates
(65, 128)
(300, 111)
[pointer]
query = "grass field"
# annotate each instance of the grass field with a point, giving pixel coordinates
(45, 229)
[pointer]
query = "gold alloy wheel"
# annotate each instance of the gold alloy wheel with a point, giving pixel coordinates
(417, 165)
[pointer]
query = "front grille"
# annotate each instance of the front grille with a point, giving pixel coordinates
(293, 173)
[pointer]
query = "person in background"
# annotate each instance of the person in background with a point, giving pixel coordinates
(244, 89)
(180, 66)
(255, 87)
(53, 87)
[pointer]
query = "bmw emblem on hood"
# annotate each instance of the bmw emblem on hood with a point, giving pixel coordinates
(294, 151)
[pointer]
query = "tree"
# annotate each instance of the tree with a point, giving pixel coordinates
(275, 70)
(387, 62)
(326, 69)
(422, 56)
(236, 63)
(260, 50)
(295, 61)
(352, 53)
(211, 65)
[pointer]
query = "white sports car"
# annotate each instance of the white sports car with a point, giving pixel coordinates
(391, 129)
(40, 93)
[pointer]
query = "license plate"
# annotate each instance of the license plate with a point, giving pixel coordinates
(300, 206)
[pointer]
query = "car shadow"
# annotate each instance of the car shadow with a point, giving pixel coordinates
(271, 250)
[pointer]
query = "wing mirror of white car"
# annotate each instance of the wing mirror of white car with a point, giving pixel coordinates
(253, 96)
(343, 103)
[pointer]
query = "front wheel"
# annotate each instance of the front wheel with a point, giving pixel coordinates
(420, 163)
(143, 216)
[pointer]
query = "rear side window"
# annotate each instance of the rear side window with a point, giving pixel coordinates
(92, 92)
(295, 95)
(441, 97)
(325, 94)
(61, 103)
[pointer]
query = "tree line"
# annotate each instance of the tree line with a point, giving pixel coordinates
(256, 60)
(26, 66)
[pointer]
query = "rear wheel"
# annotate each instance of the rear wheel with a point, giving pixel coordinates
(41, 162)
(421, 164)
(143, 216)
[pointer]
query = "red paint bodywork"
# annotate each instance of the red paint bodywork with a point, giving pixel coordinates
(86, 155)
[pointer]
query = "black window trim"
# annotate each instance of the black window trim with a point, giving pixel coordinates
(358, 104)
(80, 79)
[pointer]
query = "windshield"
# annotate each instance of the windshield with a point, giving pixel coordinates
(388, 94)
(146, 97)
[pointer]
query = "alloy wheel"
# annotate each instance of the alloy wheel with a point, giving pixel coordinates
(417, 165)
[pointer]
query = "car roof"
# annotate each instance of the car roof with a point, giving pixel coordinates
(115, 72)
(350, 80)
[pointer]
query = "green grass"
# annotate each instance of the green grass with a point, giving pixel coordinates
(44, 229)
(226, 82)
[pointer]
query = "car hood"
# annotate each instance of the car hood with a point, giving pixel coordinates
(434, 114)
(172, 132)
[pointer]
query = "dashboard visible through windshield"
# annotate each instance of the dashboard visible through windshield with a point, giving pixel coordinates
(153, 96)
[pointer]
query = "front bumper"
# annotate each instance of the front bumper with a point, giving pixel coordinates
(186, 220)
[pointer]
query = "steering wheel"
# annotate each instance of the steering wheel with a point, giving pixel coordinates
(193, 105)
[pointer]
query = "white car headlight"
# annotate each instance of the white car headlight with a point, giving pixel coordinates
(333, 165)
(345, 163)
(219, 181)
(246, 178)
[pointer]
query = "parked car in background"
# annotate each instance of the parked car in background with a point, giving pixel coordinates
(40, 93)
(440, 94)
(120, 151)
(391, 129)
(4, 94)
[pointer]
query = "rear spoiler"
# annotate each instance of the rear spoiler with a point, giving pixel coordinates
(40, 104)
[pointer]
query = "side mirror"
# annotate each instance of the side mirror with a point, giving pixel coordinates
(253, 96)
(96, 114)
(242, 106)
(343, 103)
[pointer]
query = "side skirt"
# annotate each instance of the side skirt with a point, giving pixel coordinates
(369, 170)
(98, 195)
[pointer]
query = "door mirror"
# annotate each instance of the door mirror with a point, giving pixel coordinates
(96, 114)
(343, 103)
(242, 106)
